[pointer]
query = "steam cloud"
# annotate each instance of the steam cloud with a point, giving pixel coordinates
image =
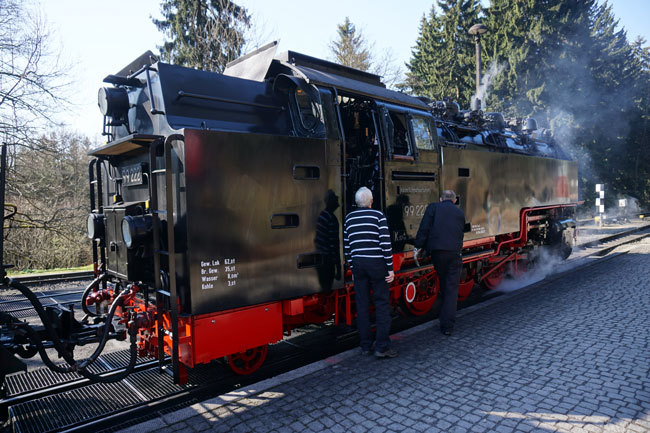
(486, 81)
(546, 264)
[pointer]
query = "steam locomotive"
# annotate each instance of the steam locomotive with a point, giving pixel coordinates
(216, 202)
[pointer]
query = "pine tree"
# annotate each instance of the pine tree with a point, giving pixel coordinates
(351, 48)
(422, 72)
(570, 66)
(542, 45)
(203, 34)
(639, 136)
(443, 62)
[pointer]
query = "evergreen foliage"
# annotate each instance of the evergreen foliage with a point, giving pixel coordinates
(442, 63)
(351, 48)
(565, 62)
(203, 34)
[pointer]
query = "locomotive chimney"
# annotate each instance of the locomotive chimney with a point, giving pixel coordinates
(477, 30)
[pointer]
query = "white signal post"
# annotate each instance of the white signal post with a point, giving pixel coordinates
(600, 203)
(622, 214)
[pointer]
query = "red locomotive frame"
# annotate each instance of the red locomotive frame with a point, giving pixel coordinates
(250, 330)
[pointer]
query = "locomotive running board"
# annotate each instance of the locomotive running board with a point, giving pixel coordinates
(126, 144)
(477, 255)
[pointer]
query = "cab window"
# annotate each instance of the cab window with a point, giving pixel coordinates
(398, 135)
(422, 133)
(309, 111)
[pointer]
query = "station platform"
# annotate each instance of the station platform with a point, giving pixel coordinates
(570, 353)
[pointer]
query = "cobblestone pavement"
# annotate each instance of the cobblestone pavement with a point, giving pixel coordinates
(569, 355)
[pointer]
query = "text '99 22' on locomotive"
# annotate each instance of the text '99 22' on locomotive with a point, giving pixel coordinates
(217, 200)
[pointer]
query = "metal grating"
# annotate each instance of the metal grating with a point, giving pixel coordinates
(73, 407)
(44, 377)
(121, 358)
(25, 307)
(153, 385)
(204, 373)
(22, 309)
(38, 379)
(6, 300)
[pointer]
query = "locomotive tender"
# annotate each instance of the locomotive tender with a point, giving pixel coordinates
(219, 198)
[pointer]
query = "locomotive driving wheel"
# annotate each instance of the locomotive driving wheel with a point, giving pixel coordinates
(249, 361)
(518, 269)
(493, 280)
(465, 287)
(419, 296)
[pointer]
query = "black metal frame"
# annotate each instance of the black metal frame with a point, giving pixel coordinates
(3, 170)
(146, 69)
(96, 206)
(170, 253)
(182, 94)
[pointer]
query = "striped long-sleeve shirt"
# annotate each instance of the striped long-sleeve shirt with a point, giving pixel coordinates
(366, 235)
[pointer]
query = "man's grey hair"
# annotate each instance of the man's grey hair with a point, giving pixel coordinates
(363, 197)
(448, 195)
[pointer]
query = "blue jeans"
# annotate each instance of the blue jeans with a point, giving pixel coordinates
(370, 274)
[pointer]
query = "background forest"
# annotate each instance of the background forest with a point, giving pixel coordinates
(567, 63)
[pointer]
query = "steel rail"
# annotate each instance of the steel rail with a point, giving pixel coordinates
(54, 277)
(639, 214)
(613, 237)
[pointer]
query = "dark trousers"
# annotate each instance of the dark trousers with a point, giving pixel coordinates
(369, 274)
(447, 264)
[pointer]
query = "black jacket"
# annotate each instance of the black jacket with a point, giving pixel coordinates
(442, 227)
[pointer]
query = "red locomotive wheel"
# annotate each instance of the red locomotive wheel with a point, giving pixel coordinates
(519, 269)
(465, 288)
(418, 297)
(494, 279)
(248, 362)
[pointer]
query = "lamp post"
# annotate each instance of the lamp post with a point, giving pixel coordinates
(477, 30)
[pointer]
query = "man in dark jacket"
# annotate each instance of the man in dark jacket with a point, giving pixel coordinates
(441, 233)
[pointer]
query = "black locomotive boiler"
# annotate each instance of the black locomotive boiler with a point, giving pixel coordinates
(219, 198)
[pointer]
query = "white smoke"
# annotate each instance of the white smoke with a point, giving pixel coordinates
(623, 213)
(546, 263)
(487, 79)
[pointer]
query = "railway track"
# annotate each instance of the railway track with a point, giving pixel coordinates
(50, 278)
(42, 401)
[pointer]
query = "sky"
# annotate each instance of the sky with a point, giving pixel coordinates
(97, 38)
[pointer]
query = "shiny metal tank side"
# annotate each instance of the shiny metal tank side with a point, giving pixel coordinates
(410, 187)
(253, 202)
(493, 187)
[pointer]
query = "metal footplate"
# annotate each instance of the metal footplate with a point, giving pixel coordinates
(94, 406)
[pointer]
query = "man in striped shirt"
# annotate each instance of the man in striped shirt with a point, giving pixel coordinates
(369, 253)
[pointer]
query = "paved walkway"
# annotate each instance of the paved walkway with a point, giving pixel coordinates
(568, 355)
